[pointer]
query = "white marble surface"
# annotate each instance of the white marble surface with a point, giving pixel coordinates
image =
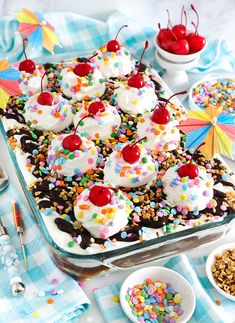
(217, 20)
(216, 16)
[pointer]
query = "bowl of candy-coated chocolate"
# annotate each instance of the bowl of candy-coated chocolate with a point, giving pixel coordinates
(157, 293)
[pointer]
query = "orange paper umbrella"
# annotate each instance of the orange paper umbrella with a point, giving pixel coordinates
(39, 31)
(9, 83)
(217, 129)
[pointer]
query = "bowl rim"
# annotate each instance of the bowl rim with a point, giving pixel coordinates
(209, 263)
(155, 268)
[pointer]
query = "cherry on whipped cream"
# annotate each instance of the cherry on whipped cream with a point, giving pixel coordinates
(100, 195)
(73, 141)
(113, 45)
(161, 115)
(84, 68)
(45, 98)
(190, 169)
(137, 80)
(131, 152)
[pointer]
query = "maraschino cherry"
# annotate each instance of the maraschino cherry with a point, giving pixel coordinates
(162, 115)
(137, 80)
(131, 152)
(190, 169)
(84, 68)
(95, 107)
(27, 65)
(164, 38)
(45, 98)
(113, 45)
(100, 195)
(196, 42)
(165, 35)
(73, 142)
(180, 30)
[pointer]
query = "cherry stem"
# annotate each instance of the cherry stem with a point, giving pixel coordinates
(159, 26)
(141, 57)
(24, 41)
(193, 8)
(179, 93)
(193, 155)
(42, 81)
(124, 26)
(181, 17)
(86, 116)
(169, 19)
(186, 21)
(196, 31)
(174, 34)
(92, 57)
(136, 142)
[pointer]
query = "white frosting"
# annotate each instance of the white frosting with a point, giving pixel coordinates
(12, 123)
(114, 64)
(51, 118)
(159, 137)
(120, 173)
(76, 162)
(191, 194)
(101, 125)
(134, 101)
(30, 84)
(70, 80)
(103, 221)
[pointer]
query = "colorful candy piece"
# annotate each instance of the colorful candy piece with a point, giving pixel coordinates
(154, 300)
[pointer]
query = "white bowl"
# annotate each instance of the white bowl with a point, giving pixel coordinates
(179, 283)
(211, 77)
(210, 262)
(175, 58)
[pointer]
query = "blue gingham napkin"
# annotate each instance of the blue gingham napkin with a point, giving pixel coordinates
(81, 35)
(30, 306)
(206, 310)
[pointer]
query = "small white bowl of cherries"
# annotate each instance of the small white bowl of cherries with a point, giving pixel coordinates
(178, 44)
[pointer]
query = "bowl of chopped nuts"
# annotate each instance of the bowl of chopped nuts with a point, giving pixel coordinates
(220, 269)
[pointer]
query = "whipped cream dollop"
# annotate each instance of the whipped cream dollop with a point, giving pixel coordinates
(136, 101)
(159, 137)
(99, 126)
(114, 64)
(71, 163)
(103, 221)
(185, 193)
(30, 84)
(56, 117)
(119, 172)
(82, 87)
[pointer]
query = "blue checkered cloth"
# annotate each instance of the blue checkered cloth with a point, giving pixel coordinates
(79, 35)
(194, 271)
(68, 305)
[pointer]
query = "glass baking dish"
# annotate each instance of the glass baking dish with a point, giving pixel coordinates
(90, 265)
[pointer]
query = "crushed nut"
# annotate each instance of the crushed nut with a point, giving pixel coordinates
(224, 271)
